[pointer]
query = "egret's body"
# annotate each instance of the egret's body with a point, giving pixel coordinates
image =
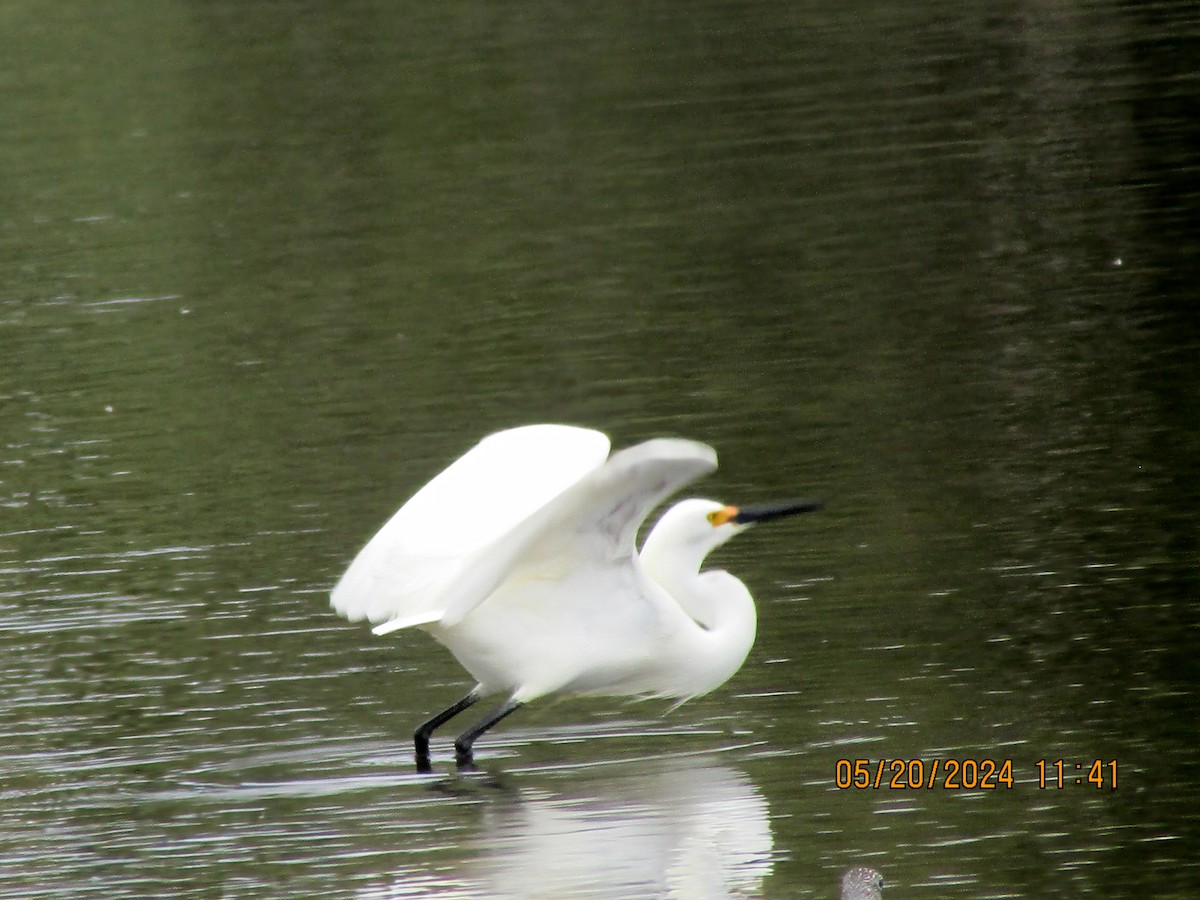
(520, 558)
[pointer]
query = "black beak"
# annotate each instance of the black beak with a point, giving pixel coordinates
(763, 512)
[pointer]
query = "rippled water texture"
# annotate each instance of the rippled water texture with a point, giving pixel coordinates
(269, 267)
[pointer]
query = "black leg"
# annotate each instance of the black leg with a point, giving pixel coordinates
(421, 735)
(462, 747)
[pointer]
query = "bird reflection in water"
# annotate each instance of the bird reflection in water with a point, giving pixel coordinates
(680, 828)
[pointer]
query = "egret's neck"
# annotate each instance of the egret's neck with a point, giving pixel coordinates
(715, 604)
(675, 566)
(718, 603)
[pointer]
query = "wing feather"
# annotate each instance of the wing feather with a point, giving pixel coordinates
(595, 520)
(403, 571)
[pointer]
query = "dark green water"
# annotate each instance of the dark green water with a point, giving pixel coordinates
(268, 267)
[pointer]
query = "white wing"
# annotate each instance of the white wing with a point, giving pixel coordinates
(400, 575)
(594, 521)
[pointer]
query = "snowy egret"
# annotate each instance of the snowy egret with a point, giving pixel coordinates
(520, 558)
(862, 884)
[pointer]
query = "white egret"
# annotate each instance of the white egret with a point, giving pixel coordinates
(862, 884)
(520, 559)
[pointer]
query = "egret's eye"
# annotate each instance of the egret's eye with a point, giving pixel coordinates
(712, 518)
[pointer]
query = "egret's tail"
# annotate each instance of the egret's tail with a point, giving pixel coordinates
(403, 622)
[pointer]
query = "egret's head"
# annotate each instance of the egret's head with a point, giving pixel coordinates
(704, 524)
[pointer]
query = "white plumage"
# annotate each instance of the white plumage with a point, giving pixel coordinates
(520, 558)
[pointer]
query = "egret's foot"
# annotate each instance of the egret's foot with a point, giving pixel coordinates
(421, 750)
(425, 730)
(466, 740)
(464, 759)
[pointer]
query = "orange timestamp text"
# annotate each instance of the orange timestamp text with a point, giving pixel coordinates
(970, 774)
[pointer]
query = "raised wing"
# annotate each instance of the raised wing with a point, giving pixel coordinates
(402, 572)
(593, 522)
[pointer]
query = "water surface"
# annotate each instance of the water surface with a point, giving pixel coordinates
(270, 267)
